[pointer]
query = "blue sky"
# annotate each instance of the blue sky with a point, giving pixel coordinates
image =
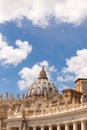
(33, 35)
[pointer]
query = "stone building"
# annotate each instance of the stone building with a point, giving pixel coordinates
(44, 108)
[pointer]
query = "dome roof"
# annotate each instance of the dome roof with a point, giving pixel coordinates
(42, 87)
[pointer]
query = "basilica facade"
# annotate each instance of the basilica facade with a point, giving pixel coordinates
(44, 108)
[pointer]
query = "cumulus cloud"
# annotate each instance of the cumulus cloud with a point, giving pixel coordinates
(13, 56)
(76, 67)
(29, 75)
(38, 11)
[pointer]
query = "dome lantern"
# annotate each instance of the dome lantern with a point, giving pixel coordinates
(42, 74)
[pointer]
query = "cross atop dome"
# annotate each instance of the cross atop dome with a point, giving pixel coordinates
(42, 74)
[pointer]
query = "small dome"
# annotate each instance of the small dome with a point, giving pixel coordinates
(42, 87)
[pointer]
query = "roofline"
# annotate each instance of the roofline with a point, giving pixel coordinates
(69, 89)
(80, 79)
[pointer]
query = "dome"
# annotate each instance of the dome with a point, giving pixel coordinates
(42, 87)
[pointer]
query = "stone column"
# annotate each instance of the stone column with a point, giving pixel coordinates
(24, 126)
(8, 128)
(50, 127)
(34, 128)
(58, 127)
(83, 126)
(66, 126)
(20, 128)
(0, 125)
(74, 125)
(42, 127)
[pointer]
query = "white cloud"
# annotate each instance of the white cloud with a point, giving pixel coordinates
(41, 11)
(13, 56)
(29, 75)
(76, 67)
(65, 78)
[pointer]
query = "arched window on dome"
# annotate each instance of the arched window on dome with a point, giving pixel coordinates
(45, 91)
(33, 91)
(38, 90)
(50, 90)
(44, 84)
